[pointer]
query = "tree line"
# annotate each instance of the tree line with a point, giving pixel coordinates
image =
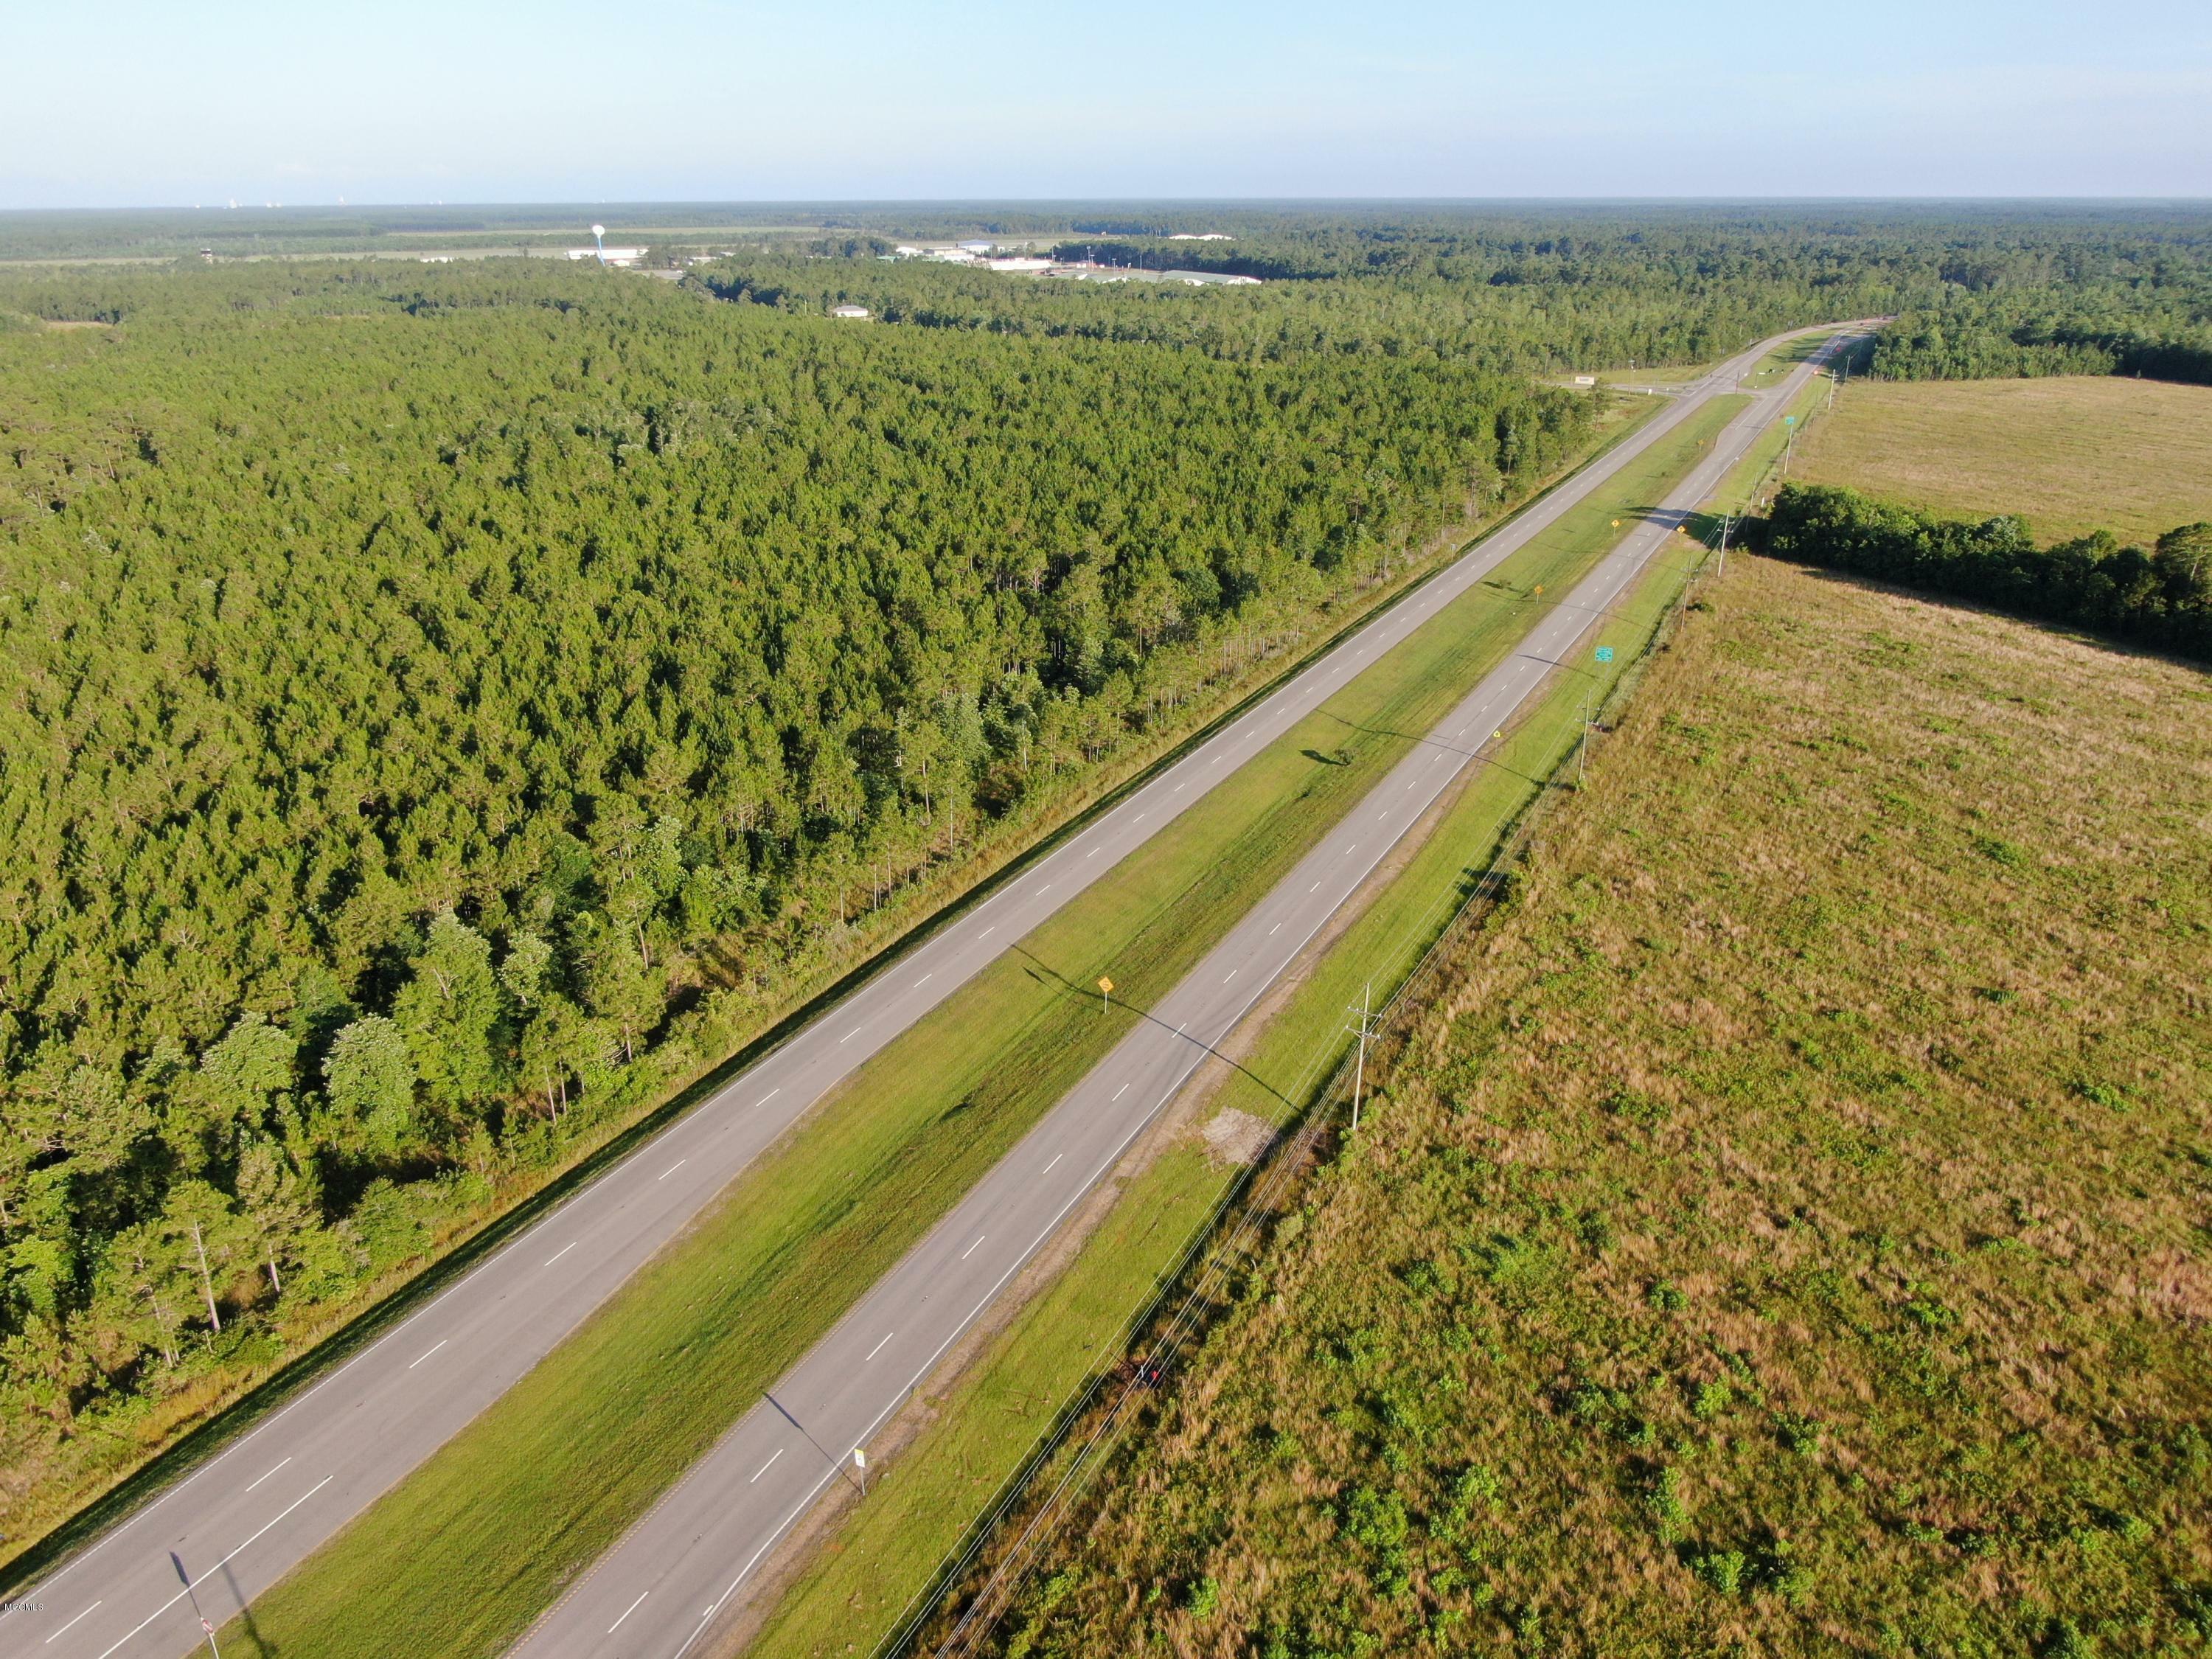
(2136, 308)
(2161, 595)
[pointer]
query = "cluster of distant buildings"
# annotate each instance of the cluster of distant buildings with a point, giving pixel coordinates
(989, 256)
(627, 257)
(979, 254)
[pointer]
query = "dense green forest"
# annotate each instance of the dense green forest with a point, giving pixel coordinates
(439, 706)
(2128, 308)
(2161, 595)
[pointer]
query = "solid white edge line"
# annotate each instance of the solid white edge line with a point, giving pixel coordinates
(219, 1565)
(426, 1353)
(628, 1610)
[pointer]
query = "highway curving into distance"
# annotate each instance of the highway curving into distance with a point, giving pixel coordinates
(658, 1593)
(247, 1517)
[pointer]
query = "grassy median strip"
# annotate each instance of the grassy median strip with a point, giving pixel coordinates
(925, 1503)
(525, 1498)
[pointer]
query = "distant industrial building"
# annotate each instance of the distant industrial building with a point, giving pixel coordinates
(1201, 236)
(1209, 279)
(613, 256)
(861, 312)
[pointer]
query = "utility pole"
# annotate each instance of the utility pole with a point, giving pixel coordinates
(1727, 520)
(184, 1579)
(1582, 754)
(1366, 1028)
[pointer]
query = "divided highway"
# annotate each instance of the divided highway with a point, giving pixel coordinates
(244, 1519)
(659, 1592)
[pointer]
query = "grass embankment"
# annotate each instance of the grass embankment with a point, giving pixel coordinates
(989, 1421)
(534, 1490)
(1789, 1233)
(2070, 455)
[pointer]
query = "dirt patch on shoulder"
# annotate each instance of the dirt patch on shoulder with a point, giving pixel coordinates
(1235, 1136)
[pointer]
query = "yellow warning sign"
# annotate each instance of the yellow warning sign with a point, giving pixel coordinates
(1106, 986)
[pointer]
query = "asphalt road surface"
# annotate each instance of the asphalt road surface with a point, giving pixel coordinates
(244, 1519)
(658, 1593)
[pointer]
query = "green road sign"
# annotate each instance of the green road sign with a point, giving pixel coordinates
(1605, 654)
(1788, 420)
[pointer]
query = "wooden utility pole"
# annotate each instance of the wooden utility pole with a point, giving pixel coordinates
(1366, 1028)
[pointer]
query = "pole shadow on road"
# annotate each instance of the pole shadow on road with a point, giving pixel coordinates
(1051, 977)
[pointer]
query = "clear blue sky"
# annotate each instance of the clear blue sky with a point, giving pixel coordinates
(462, 100)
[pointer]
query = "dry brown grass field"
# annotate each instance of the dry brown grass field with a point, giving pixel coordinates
(2070, 455)
(1792, 1231)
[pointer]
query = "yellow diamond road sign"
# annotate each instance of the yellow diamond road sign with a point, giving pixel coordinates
(1106, 986)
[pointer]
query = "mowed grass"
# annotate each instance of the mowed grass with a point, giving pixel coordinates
(983, 1426)
(525, 1498)
(2070, 455)
(1787, 1235)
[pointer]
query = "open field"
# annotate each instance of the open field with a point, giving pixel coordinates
(2069, 454)
(1789, 1234)
(533, 1491)
(977, 1432)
